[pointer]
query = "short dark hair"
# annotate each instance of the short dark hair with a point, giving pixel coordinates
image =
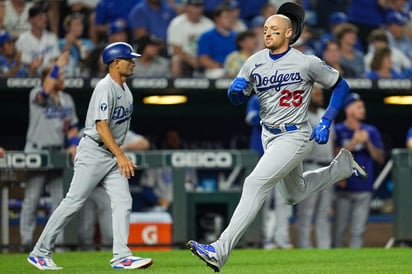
(241, 36)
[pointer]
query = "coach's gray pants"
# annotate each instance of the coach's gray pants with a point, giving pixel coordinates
(282, 160)
(92, 166)
(351, 208)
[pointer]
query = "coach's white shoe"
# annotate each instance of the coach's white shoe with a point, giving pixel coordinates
(132, 262)
(43, 263)
(206, 253)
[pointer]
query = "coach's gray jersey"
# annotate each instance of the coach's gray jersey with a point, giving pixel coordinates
(113, 103)
(283, 86)
(49, 123)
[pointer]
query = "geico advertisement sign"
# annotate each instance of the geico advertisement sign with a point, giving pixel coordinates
(25, 160)
(201, 159)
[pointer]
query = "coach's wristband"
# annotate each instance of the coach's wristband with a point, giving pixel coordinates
(74, 140)
(55, 72)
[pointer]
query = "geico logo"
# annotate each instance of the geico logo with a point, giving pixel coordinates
(21, 160)
(394, 84)
(222, 83)
(150, 83)
(23, 82)
(149, 235)
(191, 83)
(73, 82)
(131, 156)
(206, 159)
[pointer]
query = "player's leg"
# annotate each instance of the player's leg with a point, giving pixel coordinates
(296, 188)
(322, 223)
(269, 221)
(283, 212)
(359, 218)
(117, 187)
(104, 213)
(270, 169)
(304, 216)
(32, 193)
(343, 207)
(87, 223)
(54, 186)
(89, 169)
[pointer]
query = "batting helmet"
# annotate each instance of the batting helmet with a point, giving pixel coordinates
(118, 50)
(296, 14)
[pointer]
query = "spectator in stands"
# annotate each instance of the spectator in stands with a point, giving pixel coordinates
(97, 209)
(14, 15)
(152, 18)
(257, 27)
(38, 44)
(366, 15)
(78, 47)
(108, 11)
(93, 65)
(216, 44)
(233, 6)
(316, 209)
(346, 35)
(381, 66)
(395, 30)
(182, 37)
(332, 55)
(151, 64)
(2, 152)
(10, 60)
(378, 39)
(353, 196)
(335, 20)
(246, 43)
(87, 9)
(400, 6)
(117, 32)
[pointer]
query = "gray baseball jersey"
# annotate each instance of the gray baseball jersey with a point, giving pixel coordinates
(49, 123)
(113, 103)
(283, 86)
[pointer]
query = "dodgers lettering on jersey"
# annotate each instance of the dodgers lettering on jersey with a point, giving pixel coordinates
(112, 103)
(283, 86)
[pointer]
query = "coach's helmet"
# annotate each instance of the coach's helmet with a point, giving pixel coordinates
(296, 14)
(118, 50)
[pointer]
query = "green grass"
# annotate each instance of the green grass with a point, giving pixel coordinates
(242, 261)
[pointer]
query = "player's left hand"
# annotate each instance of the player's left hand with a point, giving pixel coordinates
(321, 132)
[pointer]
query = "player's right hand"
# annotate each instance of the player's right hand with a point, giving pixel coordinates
(238, 84)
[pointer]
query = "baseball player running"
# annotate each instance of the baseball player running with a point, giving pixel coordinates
(100, 159)
(283, 78)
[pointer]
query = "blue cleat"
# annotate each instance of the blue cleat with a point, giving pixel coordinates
(132, 262)
(206, 253)
(43, 263)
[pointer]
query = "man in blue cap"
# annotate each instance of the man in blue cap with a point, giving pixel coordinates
(352, 196)
(10, 60)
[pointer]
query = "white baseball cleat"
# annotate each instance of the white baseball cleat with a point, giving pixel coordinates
(132, 262)
(43, 263)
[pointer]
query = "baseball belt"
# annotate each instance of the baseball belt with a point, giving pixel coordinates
(280, 129)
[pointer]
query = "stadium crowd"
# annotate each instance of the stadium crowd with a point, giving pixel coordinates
(198, 38)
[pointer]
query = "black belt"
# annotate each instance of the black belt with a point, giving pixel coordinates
(277, 130)
(100, 144)
(46, 147)
(316, 162)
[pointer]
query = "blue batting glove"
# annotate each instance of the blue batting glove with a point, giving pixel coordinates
(321, 132)
(238, 84)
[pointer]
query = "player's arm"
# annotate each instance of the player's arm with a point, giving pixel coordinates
(73, 140)
(126, 166)
(52, 76)
(236, 91)
(339, 92)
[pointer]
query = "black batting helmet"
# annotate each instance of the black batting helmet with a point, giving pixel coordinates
(296, 14)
